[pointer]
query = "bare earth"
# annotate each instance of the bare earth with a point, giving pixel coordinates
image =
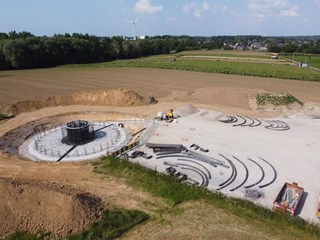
(173, 89)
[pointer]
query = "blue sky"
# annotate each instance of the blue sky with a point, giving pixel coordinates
(172, 17)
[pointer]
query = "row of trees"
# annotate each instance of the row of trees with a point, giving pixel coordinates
(24, 50)
(292, 47)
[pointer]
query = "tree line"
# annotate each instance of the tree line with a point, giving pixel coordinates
(23, 50)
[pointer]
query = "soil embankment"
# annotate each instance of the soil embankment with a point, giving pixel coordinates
(33, 206)
(106, 97)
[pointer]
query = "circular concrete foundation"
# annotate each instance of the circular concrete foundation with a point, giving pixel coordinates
(49, 145)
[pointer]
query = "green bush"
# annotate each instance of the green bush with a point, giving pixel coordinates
(276, 99)
(5, 116)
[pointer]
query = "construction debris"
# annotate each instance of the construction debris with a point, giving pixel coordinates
(196, 147)
(166, 148)
(253, 194)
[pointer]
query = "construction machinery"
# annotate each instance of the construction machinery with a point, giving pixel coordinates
(169, 116)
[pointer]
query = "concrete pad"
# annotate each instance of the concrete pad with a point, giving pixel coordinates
(294, 154)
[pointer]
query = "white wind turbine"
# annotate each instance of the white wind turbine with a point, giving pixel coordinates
(133, 27)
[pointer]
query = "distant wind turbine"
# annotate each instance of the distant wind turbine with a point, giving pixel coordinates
(133, 27)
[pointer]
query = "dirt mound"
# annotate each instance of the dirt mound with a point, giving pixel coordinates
(186, 110)
(106, 97)
(41, 206)
(277, 103)
(113, 97)
(25, 106)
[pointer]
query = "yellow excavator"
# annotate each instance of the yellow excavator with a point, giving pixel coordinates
(169, 116)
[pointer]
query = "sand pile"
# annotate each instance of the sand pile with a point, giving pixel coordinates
(35, 206)
(186, 110)
(113, 97)
(107, 97)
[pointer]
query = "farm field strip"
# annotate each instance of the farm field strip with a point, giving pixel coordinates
(284, 71)
(229, 53)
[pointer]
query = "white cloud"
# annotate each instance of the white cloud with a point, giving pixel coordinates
(197, 8)
(205, 6)
(261, 9)
(291, 12)
(316, 3)
(144, 6)
(189, 6)
(171, 19)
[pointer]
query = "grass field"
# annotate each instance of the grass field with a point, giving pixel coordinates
(246, 63)
(226, 53)
(311, 60)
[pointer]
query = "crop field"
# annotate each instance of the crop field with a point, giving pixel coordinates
(224, 53)
(236, 64)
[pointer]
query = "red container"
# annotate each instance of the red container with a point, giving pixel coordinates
(288, 198)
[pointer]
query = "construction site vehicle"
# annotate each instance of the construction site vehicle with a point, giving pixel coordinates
(288, 198)
(169, 116)
(318, 211)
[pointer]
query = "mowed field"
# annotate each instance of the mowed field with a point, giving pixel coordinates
(185, 86)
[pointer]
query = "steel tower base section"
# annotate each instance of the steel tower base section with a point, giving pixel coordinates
(78, 132)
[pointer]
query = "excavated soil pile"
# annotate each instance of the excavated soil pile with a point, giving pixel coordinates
(186, 110)
(34, 206)
(107, 97)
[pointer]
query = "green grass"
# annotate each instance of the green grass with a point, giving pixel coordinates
(173, 192)
(283, 71)
(113, 224)
(28, 236)
(226, 53)
(311, 60)
(276, 99)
